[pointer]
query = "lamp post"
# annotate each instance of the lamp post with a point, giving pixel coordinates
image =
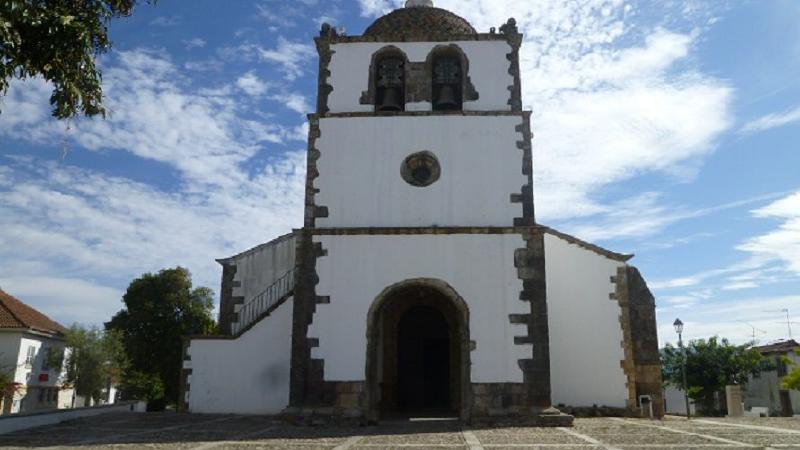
(679, 329)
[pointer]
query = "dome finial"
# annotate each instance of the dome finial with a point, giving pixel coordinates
(418, 3)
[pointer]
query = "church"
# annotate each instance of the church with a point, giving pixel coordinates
(421, 282)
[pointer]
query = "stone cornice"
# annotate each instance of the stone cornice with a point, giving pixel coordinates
(333, 40)
(417, 114)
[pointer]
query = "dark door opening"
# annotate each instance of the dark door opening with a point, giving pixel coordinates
(423, 361)
(786, 404)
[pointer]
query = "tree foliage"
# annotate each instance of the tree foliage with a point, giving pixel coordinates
(7, 385)
(95, 359)
(59, 40)
(792, 379)
(710, 366)
(160, 309)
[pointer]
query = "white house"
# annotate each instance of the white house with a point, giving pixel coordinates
(27, 339)
(421, 281)
(766, 390)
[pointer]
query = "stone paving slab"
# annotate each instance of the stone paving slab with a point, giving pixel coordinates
(505, 436)
(170, 431)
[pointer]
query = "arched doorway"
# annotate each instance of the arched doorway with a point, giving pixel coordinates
(418, 351)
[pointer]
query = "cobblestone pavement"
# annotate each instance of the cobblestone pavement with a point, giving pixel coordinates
(226, 432)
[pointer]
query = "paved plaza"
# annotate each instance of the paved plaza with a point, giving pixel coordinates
(203, 432)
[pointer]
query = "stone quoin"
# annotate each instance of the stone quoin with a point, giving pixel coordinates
(421, 282)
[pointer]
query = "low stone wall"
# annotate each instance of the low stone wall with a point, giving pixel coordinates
(23, 421)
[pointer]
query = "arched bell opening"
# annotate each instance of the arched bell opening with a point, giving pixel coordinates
(418, 351)
(389, 80)
(450, 86)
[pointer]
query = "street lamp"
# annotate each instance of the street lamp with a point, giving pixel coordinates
(679, 329)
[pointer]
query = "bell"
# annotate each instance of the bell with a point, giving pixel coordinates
(390, 101)
(446, 98)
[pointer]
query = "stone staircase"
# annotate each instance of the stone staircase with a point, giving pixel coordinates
(262, 304)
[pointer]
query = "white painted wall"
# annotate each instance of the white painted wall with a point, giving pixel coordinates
(585, 332)
(764, 391)
(479, 267)
(488, 70)
(9, 350)
(25, 373)
(258, 268)
(248, 375)
(360, 163)
(675, 402)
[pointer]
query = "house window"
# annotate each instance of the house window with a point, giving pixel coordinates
(46, 359)
(447, 84)
(31, 356)
(390, 84)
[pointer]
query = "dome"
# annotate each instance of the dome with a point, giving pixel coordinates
(418, 20)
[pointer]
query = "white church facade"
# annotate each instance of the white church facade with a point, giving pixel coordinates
(421, 281)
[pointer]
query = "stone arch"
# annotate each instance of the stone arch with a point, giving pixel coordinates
(369, 97)
(440, 295)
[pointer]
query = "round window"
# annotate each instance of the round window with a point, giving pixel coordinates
(420, 169)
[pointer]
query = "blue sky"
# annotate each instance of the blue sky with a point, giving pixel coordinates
(666, 129)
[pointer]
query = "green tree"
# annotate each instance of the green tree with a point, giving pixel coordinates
(59, 40)
(94, 360)
(160, 309)
(792, 379)
(7, 385)
(710, 366)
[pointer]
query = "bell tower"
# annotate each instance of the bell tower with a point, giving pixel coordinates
(419, 200)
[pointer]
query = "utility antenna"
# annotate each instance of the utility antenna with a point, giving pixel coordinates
(754, 329)
(788, 320)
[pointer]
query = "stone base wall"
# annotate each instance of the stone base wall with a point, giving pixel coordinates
(596, 411)
(499, 400)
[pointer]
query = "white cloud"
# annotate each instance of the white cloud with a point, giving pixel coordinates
(163, 21)
(251, 85)
(154, 114)
(59, 220)
(195, 42)
(294, 101)
(732, 319)
(66, 300)
(772, 121)
(783, 243)
(230, 187)
(372, 8)
(292, 57)
(613, 98)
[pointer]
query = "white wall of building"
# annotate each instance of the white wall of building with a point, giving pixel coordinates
(764, 390)
(675, 402)
(247, 375)
(258, 268)
(585, 332)
(479, 267)
(9, 350)
(25, 372)
(14, 347)
(360, 164)
(488, 70)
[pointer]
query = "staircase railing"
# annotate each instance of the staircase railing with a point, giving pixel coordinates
(253, 310)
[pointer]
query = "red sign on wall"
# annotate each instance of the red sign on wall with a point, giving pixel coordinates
(44, 377)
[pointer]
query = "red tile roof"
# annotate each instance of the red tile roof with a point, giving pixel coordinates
(15, 314)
